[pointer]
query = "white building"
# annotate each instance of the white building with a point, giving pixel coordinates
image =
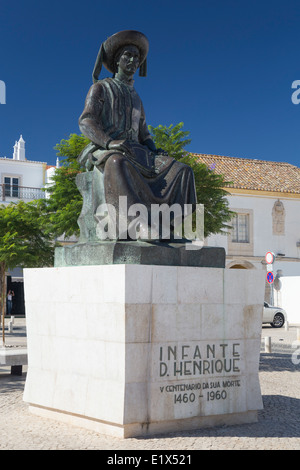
(266, 198)
(21, 178)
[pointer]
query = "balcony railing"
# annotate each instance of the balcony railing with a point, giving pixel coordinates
(12, 192)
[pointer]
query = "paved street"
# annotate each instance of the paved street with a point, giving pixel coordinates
(278, 426)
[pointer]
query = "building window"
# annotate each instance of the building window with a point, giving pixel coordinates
(240, 229)
(11, 186)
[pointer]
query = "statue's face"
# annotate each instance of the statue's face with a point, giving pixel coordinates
(129, 60)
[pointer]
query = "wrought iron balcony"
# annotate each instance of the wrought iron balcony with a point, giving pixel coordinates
(12, 192)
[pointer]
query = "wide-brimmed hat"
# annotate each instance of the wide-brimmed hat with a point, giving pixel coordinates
(113, 44)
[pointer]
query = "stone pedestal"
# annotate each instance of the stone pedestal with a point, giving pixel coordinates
(130, 350)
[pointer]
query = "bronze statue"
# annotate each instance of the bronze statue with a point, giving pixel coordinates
(121, 146)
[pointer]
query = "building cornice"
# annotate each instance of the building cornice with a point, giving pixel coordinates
(20, 162)
(261, 259)
(262, 193)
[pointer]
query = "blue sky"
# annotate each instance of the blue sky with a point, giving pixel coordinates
(224, 68)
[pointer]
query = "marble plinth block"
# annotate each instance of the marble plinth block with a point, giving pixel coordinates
(130, 350)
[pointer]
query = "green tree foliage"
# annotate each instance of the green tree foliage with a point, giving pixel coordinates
(172, 139)
(209, 185)
(23, 242)
(63, 206)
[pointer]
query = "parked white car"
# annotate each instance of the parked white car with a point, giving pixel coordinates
(276, 316)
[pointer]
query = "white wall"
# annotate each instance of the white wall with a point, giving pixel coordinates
(263, 238)
(31, 174)
(291, 298)
(263, 241)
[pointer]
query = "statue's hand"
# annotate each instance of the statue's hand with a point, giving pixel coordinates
(161, 152)
(121, 145)
(151, 145)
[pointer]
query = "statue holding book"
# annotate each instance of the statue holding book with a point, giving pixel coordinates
(121, 146)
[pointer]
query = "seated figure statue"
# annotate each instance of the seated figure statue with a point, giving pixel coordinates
(121, 146)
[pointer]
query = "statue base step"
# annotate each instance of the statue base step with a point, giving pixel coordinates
(138, 252)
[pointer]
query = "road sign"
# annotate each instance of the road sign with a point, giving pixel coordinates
(270, 257)
(270, 277)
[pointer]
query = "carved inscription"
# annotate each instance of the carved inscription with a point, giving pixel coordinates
(215, 365)
(199, 360)
(210, 390)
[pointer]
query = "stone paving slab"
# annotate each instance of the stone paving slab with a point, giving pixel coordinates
(278, 426)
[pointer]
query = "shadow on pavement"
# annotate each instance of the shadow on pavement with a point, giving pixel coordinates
(276, 362)
(9, 383)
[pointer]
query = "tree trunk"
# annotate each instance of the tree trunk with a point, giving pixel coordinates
(3, 297)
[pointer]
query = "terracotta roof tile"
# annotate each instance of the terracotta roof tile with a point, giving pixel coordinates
(253, 174)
